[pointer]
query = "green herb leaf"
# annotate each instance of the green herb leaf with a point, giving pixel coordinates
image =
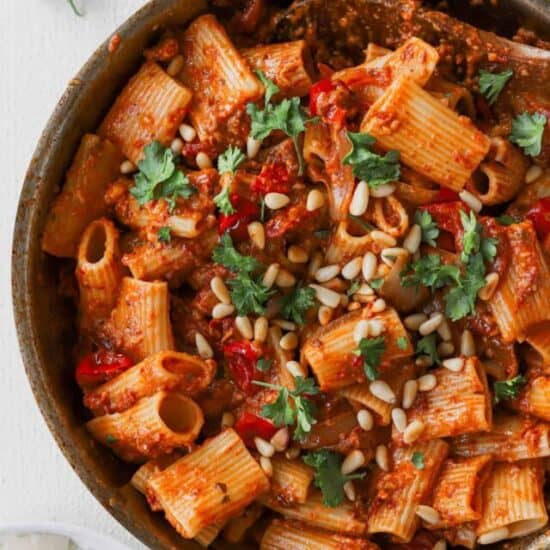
(527, 130)
(471, 240)
(428, 346)
(164, 235)
(361, 223)
(226, 255)
(509, 389)
(271, 88)
(372, 349)
(248, 295)
(295, 304)
(354, 287)
(361, 142)
(230, 160)
(262, 209)
(430, 272)
(491, 84)
(328, 476)
(402, 342)
(110, 439)
(280, 412)
(264, 364)
(376, 283)
(506, 220)
(223, 202)
(74, 8)
(418, 460)
(429, 228)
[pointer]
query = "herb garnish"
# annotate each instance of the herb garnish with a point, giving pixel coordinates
(295, 304)
(371, 349)
(491, 84)
(527, 130)
(429, 228)
(509, 389)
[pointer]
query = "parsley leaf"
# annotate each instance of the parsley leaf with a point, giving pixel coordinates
(429, 228)
(506, 220)
(271, 88)
(375, 169)
(296, 303)
(74, 8)
(491, 84)
(226, 255)
(509, 389)
(428, 346)
(223, 202)
(471, 240)
(402, 342)
(158, 178)
(375, 284)
(110, 439)
(354, 287)
(248, 294)
(418, 460)
(430, 272)
(328, 475)
(264, 364)
(292, 406)
(164, 235)
(527, 130)
(361, 223)
(371, 349)
(230, 160)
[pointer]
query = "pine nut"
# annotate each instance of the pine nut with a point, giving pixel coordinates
(315, 263)
(414, 321)
(413, 431)
(264, 447)
(445, 349)
(203, 161)
(361, 330)
(326, 273)
(266, 465)
(324, 315)
(280, 439)
(296, 369)
(349, 490)
(176, 65)
(188, 133)
(315, 200)
(285, 279)
(444, 330)
(244, 326)
(413, 239)
(382, 390)
(270, 275)
(369, 266)
(381, 457)
(176, 146)
(455, 364)
(228, 420)
(203, 347)
(260, 329)
(399, 419)
(467, 344)
(379, 305)
(493, 536)
(384, 190)
(427, 382)
(360, 199)
(471, 200)
(127, 167)
(382, 239)
(429, 326)
(441, 544)
(491, 283)
(297, 255)
(382, 270)
(326, 296)
(292, 453)
(410, 389)
(220, 290)
(252, 147)
(364, 290)
(353, 461)
(289, 341)
(533, 174)
(220, 311)
(352, 268)
(376, 327)
(284, 324)
(390, 255)
(274, 201)
(256, 232)
(424, 361)
(365, 420)
(428, 514)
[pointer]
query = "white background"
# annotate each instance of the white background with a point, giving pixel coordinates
(42, 45)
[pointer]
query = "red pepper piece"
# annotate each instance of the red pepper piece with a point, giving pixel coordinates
(241, 360)
(446, 195)
(539, 214)
(249, 426)
(100, 366)
(321, 87)
(245, 212)
(274, 178)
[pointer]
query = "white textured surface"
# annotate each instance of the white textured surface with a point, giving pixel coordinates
(43, 44)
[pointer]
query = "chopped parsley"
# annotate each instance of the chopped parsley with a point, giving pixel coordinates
(264, 364)
(248, 294)
(375, 169)
(506, 220)
(418, 460)
(227, 255)
(158, 177)
(354, 287)
(473, 242)
(371, 349)
(429, 228)
(527, 130)
(402, 342)
(164, 235)
(230, 160)
(430, 272)
(295, 304)
(361, 223)
(428, 346)
(292, 407)
(328, 475)
(110, 439)
(223, 202)
(509, 389)
(376, 283)
(491, 84)
(271, 88)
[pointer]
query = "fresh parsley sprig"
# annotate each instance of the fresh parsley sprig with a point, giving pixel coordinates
(509, 389)
(428, 227)
(227, 255)
(158, 177)
(527, 131)
(295, 304)
(428, 346)
(375, 169)
(248, 294)
(473, 242)
(371, 349)
(292, 407)
(418, 460)
(228, 163)
(164, 235)
(328, 475)
(491, 84)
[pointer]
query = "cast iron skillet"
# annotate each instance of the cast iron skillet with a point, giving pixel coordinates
(43, 318)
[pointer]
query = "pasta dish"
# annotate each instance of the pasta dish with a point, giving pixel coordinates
(313, 291)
